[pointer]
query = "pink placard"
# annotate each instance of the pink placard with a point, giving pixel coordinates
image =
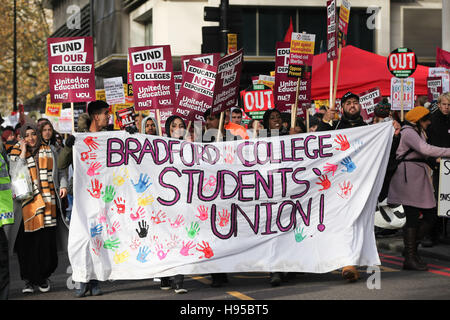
(71, 69)
(153, 81)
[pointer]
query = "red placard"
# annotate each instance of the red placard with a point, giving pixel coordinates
(402, 62)
(71, 69)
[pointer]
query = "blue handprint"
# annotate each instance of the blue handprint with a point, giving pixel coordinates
(143, 183)
(349, 165)
(96, 229)
(143, 253)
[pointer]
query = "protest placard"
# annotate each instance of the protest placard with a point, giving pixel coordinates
(196, 92)
(114, 90)
(332, 43)
(153, 82)
(408, 93)
(344, 18)
(444, 189)
(152, 206)
(178, 79)
(301, 54)
(257, 102)
(442, 73)
(226, 90)
(368, 100)
(71, 69)
(434, 86)
(52, 109)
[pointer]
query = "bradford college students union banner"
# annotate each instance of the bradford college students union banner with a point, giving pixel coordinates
(149, 206)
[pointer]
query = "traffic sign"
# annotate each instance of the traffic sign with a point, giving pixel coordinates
(402, 62)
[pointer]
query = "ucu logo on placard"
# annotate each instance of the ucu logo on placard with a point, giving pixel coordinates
(165, 102)
(83, 95)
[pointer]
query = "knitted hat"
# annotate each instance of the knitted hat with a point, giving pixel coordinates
(382, 109)
(416, 114)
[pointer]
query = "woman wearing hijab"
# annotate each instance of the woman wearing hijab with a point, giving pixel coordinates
(410, 185)
(149, 126)
(34, 232)
(175, 127)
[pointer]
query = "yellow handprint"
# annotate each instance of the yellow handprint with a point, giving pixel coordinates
(122, 257)
(119, 179)
(145, 201)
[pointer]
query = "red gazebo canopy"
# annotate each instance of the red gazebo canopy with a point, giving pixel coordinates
(359, 71)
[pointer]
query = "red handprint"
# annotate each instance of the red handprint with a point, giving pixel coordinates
(88, 155)
(224, 218)
(120, 205)
(324, 182)
(346, 190)
(329, 167)
(342, 140)
(93, 168)
(203, 213)
(140, 213)
(206, 249)
(91, 143)
(97, 246)
(158, 217)
(96, 189)
(178, 222)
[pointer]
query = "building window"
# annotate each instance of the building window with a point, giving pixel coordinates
(149, 33)
(265, 26)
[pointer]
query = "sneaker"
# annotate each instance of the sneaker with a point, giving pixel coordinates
(45, 287)
(94, 288)
(29, 288)
(179, 288)
(165, 283)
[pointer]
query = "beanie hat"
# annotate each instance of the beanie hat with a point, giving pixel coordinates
(382, 109)
(416, 114)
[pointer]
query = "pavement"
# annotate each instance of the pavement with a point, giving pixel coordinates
(394, 243)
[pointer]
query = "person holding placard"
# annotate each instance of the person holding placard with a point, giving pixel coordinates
(438, 135)
(410, 185)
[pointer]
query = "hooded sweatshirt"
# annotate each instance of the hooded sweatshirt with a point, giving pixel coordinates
(144, 121)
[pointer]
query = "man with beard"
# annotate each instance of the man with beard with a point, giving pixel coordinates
(351, 117)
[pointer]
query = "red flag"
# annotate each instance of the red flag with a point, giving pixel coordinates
(287, 37)
(442, 58)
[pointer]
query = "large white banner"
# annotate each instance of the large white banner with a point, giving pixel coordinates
(147, 206)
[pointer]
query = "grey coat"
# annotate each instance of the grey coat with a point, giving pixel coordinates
(411, 184)
(62, 230)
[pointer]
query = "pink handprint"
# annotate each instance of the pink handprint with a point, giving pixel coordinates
(135, 243)
(113, 229)
(158, 217)
(140, 213)
(96, 189)
(174, 240)
(330, 168)
(178, 222)
(160, 251)
(209, 183)
(224, 218)
(342, 140)
(324, 182)
(91, 143)
(346, 190)
(102, 216)
(120, 205)
(93, 168)
(206, 249)
(186, 247)
(203, 213)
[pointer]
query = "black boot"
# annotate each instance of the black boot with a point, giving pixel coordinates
(424, 234)
(412, 261)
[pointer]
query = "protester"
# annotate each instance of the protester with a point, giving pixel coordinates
(410, 186)
(175, 128)
(254, 126)
(97, 121)
(233, 127)
(6, 218)
(34, 232)
(236, 116)
(8, 135)
(47, 132)
(272, 122)
(351, 117)
(438, 135)
(212, 129)
(149, 126)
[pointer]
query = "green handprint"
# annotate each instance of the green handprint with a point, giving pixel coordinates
(109, 194)
(194, 229)
(111, 244)
(299, 237)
